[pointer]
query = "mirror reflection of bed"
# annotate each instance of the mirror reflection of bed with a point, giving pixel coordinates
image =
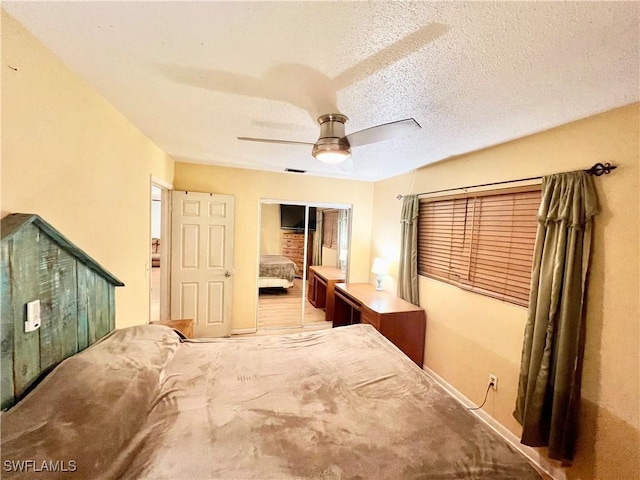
(292, 239)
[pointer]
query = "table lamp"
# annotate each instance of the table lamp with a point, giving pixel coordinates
(380, 268)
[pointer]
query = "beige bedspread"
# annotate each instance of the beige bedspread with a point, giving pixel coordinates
(277, 266)
(340, 403)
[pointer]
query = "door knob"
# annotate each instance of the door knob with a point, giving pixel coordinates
(227, 274)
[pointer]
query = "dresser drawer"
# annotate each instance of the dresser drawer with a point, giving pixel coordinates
(368, 316)
(293, 236)
(292, 253)
(293, 249)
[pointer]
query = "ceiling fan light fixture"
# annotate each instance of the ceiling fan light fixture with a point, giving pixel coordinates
(333, 146)
(331, 152)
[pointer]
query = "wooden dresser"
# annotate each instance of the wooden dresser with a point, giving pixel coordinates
(320, 292)
(401, 322)
(293, 249)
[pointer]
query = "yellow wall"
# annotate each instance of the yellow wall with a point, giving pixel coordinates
(329, 256)
(248, 187)
(72, 158)
(270, 233)
(469, 335)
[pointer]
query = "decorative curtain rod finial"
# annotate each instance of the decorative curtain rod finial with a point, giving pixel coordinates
(399, 197)
(601, 169)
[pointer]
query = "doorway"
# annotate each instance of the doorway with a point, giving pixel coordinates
(156, 245)
(294, 237)
(160, 245)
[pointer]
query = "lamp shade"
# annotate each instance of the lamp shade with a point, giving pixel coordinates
(380, 266)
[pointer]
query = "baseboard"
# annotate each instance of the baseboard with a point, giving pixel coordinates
(242, 331)
(534, 457)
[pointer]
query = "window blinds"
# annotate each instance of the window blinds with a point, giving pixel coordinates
(482, 242)
(330, 228)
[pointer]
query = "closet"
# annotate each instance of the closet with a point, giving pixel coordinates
(293, 238)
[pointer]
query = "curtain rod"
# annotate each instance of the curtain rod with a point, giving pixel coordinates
(597, 170)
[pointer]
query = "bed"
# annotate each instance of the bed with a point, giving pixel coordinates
(86, 401)
(276, 271)
(337, 403)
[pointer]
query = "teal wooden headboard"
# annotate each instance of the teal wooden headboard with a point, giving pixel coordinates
(77, 301)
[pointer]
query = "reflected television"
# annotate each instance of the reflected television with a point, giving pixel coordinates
(292, 217)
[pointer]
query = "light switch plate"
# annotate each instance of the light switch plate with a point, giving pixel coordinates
(33, 317)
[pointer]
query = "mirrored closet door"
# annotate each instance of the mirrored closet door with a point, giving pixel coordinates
(303, 251)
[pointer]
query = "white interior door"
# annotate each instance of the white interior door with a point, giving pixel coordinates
(202, 261)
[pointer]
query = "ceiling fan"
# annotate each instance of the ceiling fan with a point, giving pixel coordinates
(333, 146)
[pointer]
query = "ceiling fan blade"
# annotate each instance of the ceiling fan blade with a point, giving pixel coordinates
(382, 132)
(270, 140)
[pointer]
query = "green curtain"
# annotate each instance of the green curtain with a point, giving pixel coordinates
(549, 383)
(317, 240)
(408, 266)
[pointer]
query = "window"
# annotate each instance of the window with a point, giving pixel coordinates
(330, 228)
(481, 242)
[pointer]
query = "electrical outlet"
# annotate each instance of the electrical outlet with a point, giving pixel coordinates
(493, 381)
(32, 322)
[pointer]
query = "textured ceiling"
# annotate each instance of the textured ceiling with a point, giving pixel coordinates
(193, 76)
